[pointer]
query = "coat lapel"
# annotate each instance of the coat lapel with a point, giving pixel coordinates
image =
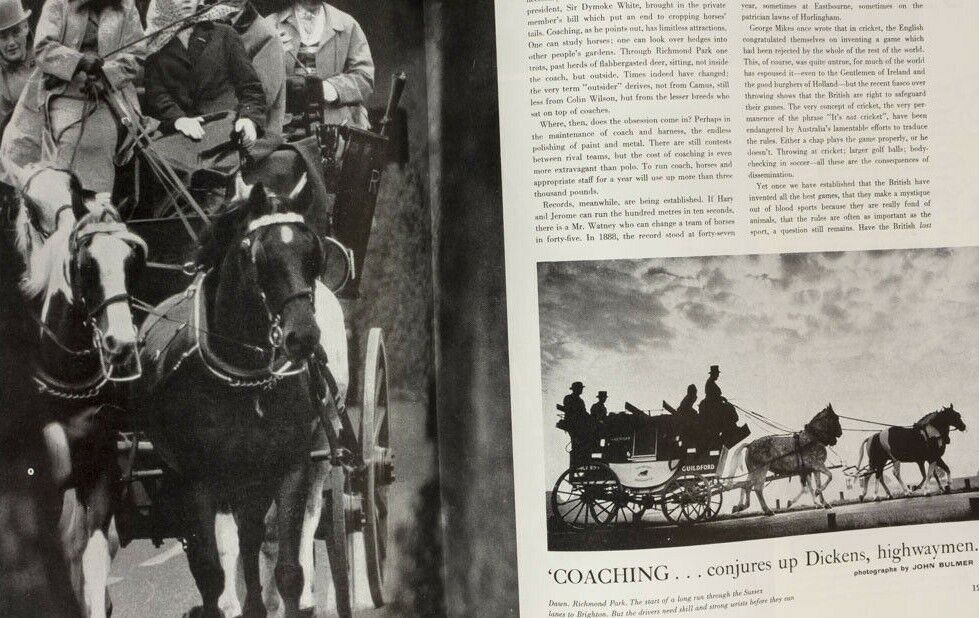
(331, 28)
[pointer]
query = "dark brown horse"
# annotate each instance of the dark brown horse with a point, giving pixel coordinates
(922, 443)
(227, 399)
(802, 453)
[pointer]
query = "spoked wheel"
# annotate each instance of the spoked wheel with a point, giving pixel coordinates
(618, 509)
(340, 540)
(672, 502)
(702, 502)
(585, 496)
(378, 461)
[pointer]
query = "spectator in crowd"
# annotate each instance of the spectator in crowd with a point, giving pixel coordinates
(16, 57)
(16, 65)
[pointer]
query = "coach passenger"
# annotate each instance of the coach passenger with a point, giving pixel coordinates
(202, 70)
(323, 41)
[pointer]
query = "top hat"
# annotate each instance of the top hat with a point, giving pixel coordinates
(12, 13)
(602, 394)
(573, 384)
(715, 369)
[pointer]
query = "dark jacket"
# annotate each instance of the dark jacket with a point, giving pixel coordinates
(212, 74)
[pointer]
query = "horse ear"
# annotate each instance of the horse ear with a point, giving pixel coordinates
(298, 189)
(259, 203)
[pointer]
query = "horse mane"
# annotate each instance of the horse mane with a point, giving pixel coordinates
(226, 227)
(223, 230)
(45, 259)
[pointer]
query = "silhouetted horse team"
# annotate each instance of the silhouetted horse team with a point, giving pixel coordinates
(750, 466)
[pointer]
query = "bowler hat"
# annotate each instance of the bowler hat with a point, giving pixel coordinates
(12, 13)
(577, 385)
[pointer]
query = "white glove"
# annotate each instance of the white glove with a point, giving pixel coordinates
(330, 93)
(246, 128)
(191, 127)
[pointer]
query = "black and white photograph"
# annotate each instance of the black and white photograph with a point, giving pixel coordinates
(217, 306)
(716, 399)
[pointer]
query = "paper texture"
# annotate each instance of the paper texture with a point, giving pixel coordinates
(782, 190)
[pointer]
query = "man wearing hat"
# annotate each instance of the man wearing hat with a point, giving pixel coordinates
(720, 416)
(16, 56)
(598, 410)
(577, 422)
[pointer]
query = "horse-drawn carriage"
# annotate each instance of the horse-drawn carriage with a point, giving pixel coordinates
(633, 461)
(163, 217)
(344, 162)
(636, 462)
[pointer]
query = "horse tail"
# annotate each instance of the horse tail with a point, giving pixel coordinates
(864, 448)
(735, 459)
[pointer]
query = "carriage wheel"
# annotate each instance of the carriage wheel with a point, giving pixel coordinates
(339, 541)
(689, 499)
(378, 461)
(583, 496)
(700, 502)
(672, 502)
(618, 509)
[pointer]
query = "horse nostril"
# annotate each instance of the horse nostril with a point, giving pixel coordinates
(111, 343)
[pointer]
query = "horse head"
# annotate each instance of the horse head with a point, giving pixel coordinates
(268, 249)
(81, 255)
(825, 426)
(105, 259)
(948, 417)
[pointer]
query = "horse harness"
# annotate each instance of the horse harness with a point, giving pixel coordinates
(90, 388)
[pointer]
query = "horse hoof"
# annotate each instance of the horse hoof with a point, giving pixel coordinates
(788, 504)
(309, 612)
(769, 512)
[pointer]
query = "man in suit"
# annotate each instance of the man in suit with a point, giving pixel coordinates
(325, 42)
(598, 410)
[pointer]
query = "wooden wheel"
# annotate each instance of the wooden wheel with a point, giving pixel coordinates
(583, 496)
(378, 462)
(339, 540)
(672, 502)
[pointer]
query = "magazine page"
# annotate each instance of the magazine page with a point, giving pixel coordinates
(216, 300)
(741, 255)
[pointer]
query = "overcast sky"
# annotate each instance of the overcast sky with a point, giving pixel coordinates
(884, 335)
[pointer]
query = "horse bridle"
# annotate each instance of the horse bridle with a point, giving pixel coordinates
(275, 335)
(87, 229)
